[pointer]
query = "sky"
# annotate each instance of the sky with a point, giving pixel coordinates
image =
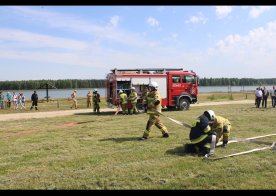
(86, 42)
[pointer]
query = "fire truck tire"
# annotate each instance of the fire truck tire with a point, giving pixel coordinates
(184, 104)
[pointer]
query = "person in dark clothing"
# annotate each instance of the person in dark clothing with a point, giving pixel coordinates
(34, 99)
(265, 96)
(96, 101)
(202, 139)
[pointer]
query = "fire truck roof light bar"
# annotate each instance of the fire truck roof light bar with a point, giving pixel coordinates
(146, 70)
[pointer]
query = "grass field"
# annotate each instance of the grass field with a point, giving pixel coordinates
(104, 153)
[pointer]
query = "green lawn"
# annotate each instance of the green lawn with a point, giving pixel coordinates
(105, 153)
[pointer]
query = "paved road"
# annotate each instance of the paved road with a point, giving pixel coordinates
(6, 117)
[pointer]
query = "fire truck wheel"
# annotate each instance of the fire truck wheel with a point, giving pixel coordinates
(184, 104)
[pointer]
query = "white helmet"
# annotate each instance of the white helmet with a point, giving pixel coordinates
(96, 90)
(132, 88)
(153, 84)
(120, 91)
(210, 114)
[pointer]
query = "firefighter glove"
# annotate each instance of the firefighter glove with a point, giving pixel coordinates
(224, 144)
(157, 102)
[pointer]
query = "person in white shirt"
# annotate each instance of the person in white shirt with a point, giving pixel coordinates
(259, 95)
(14, 99)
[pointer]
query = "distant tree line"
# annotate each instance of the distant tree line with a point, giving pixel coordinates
(236, 81)
(60, 84)
(101, 83)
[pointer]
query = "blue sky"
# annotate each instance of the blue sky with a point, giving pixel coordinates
(85, 42)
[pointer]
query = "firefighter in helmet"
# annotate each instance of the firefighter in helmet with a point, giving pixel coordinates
(144, 96)
(202, 139)
(123, 101)
(222, 127)
(133, 100)
(96, 101)
(154, 103)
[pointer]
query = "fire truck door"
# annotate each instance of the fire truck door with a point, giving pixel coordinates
(175, 88)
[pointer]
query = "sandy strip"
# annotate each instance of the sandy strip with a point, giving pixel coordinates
(6, 117)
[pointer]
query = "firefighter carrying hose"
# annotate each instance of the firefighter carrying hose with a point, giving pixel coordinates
(202, 139)
(222, 127)
(154, 103)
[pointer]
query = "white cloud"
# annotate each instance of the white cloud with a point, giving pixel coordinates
(152, 22)
(114, 20)
(253, 53)
(21, 39)
(161, 8)
(69, 23)
(197, 19)
(223, 11)
(256, 11)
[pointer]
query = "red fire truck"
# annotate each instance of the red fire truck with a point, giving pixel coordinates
(178, 88)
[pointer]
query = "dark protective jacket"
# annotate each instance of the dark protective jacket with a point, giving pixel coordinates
(200, 129)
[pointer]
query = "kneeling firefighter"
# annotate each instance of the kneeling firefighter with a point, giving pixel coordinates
(202, 139)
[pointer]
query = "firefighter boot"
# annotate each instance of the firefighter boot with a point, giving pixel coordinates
(165, 134)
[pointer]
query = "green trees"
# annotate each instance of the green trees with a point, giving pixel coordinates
(60, 84)
(236, 81)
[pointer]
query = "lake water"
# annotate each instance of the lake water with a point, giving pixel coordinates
(65, 93)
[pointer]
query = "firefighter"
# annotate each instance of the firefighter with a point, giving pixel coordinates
(96, 101)
(133, 100)
(154, 103)
(144, 97)
(202, 139)
(89, 99)
(221, 126)
(123, 101)
(74, 99)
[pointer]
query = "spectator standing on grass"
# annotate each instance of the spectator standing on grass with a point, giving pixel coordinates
(259, 95)
(34, 99)
(74, 99)
(14, 99)
(1, 100)
(89, 99)
(8, 99)
(273, 96)
(20, 101)
(265, 96)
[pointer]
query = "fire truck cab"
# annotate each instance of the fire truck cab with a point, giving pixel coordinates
(178, 88)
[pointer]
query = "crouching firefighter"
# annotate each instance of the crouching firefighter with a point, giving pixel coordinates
(154, 104)
(221, 126)
(202, 139)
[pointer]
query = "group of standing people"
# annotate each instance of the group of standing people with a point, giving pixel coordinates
(91, 99)
(262, 95)
(17, 100)
(128, 103)
(94, 99)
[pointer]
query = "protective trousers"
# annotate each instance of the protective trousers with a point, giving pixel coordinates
(96, 107)
(223, 135)
(124, 108)
(89, 103)
(133, 109)
(154, 120)
(75, 103)
(206, 146)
